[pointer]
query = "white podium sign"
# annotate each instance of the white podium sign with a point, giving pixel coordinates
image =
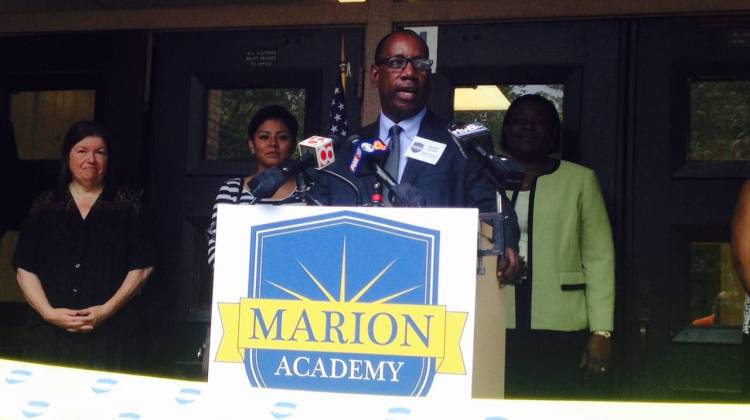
(370, 301)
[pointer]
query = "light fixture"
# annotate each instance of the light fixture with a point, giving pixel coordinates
(479, 98)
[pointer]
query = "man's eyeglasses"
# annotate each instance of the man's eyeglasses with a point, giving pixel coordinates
(399, 62)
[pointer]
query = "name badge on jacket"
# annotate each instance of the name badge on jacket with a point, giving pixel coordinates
(427, 151)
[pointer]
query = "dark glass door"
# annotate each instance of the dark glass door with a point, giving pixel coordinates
(208, 86)
(688, 149)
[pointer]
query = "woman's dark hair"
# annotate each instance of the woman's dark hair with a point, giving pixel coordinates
(77, 132)
(273, 112)
(550, 116)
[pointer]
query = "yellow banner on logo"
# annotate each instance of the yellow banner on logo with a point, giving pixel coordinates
(342, 327)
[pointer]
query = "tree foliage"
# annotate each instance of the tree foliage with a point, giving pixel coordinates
(720, 121)
(238, 106)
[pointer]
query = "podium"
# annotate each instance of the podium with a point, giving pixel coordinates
(489, 327)
(380, 302)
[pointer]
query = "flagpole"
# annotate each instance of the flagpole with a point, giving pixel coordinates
(343, 64)
(337, 123)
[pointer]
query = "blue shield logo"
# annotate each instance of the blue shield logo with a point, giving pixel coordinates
(361, 266)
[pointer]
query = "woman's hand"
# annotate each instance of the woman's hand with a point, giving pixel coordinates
(79, 320)
(507, 266)
(596, 355)
(95, 316)
(68, 319)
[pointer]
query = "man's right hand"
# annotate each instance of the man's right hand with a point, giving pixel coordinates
(507, 266)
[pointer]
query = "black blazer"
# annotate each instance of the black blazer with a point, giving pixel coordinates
(452, 182)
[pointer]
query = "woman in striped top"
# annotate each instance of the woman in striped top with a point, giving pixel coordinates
(272, 137)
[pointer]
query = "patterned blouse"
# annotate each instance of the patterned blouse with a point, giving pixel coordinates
(233, 191)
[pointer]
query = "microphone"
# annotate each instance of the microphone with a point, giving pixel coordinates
(367, 155)
(319, 150)
(315, 152)
(266, 183)
(368, 158)
(506, 172)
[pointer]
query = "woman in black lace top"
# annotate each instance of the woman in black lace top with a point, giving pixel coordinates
(82, 255)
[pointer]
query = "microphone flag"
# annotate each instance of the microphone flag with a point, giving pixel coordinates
(367, 153)
(320, 149)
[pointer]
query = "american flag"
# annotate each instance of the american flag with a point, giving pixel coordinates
(337, 112)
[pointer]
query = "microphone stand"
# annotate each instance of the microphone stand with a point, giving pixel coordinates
(376, 198)
(350, 184)
(302, 192)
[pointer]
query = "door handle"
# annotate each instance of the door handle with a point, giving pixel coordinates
(643, 344)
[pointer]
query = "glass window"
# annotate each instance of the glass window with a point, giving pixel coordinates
(488, 103)
(41, 119)
(716, 296)
(719, 121)
(9, 290)
(230, 111)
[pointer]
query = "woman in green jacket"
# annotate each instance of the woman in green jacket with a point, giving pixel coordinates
(560, 318)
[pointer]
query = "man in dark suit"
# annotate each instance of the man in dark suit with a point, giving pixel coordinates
(423, 154)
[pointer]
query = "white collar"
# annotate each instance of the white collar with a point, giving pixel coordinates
(409, 125)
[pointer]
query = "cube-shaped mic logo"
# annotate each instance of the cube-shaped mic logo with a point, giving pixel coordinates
(319, 147)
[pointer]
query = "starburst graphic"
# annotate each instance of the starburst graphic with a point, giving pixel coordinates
(342, 284)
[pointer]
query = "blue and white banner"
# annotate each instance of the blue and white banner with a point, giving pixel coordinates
(32, 391)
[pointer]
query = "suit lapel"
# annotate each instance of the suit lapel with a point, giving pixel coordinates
(427, 130)
(412, 170)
